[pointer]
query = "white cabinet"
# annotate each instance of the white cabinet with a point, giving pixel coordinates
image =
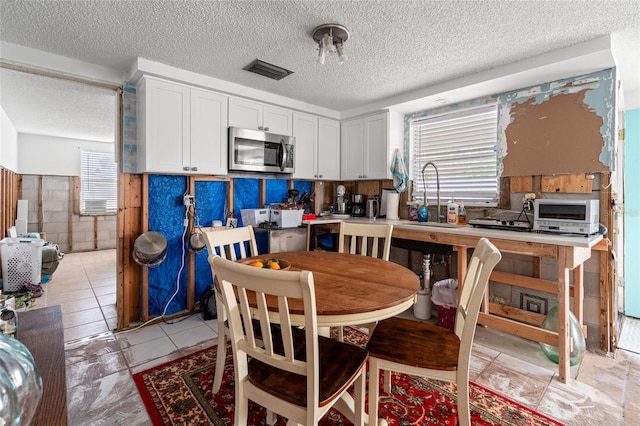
(317, 147)
(256, 116)
(368, 144)
(180, 129)
(328, 149)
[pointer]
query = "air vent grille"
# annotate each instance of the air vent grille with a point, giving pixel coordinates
(268, 70)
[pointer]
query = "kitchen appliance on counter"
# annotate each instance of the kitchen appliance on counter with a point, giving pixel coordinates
(276, 240)
(341, 206)
(258, 151)
(507, 225)
(373, 206)
(566, 216)
(358, 205)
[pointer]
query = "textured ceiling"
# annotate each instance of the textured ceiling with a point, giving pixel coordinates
(395, 48)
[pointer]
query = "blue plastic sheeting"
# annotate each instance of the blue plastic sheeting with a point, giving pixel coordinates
(246, 195)
(210, 205)
(276, 191)
(166, 215)
(302, 186)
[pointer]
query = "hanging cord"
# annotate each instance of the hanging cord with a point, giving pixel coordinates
(177, 281)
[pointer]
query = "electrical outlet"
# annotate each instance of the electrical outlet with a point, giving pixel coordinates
(188, 200)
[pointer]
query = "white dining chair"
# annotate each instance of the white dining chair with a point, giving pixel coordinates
(233, 244)
(367, 240)
(427, 350)
(290, 370)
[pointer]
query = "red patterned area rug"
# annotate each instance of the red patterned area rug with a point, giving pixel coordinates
(179, 393)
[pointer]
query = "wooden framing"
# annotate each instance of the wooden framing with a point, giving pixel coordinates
(569, 265)
(10, 184)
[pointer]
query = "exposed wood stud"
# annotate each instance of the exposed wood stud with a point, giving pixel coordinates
(40, 198)
(70, 209)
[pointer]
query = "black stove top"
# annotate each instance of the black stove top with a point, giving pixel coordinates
(493, 223)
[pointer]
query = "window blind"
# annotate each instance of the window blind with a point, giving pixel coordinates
(98, 183)
(463, 146)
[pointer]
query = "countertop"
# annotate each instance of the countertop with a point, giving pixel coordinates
(469, 230)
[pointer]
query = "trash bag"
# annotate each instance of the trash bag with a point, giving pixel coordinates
(208, 304)
(445, 293)
(51, 257)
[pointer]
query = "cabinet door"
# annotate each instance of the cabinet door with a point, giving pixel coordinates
(305, 130)
(167, 127)
(277, 120)
(245, 114)
(376, 149)
(208, 132)
(352, 150)
(328, 149)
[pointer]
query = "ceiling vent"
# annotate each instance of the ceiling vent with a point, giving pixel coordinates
(268, 70)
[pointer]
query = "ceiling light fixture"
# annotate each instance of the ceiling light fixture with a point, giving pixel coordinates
(330, 39)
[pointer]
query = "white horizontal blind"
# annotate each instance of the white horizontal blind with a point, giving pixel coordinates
(463, 146)
(98, 183)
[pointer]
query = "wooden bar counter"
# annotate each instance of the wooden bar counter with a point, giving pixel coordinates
(42, 332)
(570, 252)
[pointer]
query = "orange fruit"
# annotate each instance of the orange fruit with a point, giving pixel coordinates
(274, 265)
(256, 264)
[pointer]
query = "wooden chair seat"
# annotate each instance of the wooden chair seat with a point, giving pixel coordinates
(395, 340)
(339, 364)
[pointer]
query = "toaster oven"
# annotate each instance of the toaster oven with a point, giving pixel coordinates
(567, 216)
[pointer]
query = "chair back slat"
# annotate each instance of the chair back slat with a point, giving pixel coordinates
(232, 243)
(365, 239)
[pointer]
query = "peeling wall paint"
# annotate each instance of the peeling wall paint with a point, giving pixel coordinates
(565, 126)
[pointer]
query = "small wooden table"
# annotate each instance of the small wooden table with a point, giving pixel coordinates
(41, 331)
(352, 289)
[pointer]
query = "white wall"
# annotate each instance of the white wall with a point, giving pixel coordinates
(8, 143)
(54, 156)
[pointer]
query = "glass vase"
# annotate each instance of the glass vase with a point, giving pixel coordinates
(20, 383)
(578, 343)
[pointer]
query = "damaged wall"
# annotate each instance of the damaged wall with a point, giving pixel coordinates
(565, 126)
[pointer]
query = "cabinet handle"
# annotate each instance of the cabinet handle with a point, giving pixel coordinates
(260, 128)
(186, 168)
(194, 169)
(320, 176)
(266, 129)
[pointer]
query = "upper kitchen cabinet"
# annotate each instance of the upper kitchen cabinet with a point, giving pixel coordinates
(256, 116)
(317, 147)
(180, 129)
(367, 145)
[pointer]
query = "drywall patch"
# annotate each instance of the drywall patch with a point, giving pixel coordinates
(558, 127)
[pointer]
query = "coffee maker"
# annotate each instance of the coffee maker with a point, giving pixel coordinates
(358, 205)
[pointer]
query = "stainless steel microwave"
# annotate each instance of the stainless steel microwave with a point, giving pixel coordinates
(567, 216)
(257, 151)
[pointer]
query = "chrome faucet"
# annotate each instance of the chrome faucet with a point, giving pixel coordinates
(424, 182)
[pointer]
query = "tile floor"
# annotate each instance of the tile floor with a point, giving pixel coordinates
(100, 390)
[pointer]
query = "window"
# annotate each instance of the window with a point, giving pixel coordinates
(463, 146)
(98, 183)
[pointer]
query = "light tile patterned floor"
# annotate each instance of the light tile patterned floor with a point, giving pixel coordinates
(100, 390)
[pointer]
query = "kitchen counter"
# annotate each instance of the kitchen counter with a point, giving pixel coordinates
(470, 231)
(569, 251)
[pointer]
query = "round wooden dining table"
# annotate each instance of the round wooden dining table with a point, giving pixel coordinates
(352, 289)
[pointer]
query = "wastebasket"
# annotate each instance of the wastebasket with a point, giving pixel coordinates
(445, 296)
(21, 262)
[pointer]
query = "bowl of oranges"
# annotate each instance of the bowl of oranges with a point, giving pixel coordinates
(275, 264)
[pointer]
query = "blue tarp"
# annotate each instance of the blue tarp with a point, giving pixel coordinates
(167, 214)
